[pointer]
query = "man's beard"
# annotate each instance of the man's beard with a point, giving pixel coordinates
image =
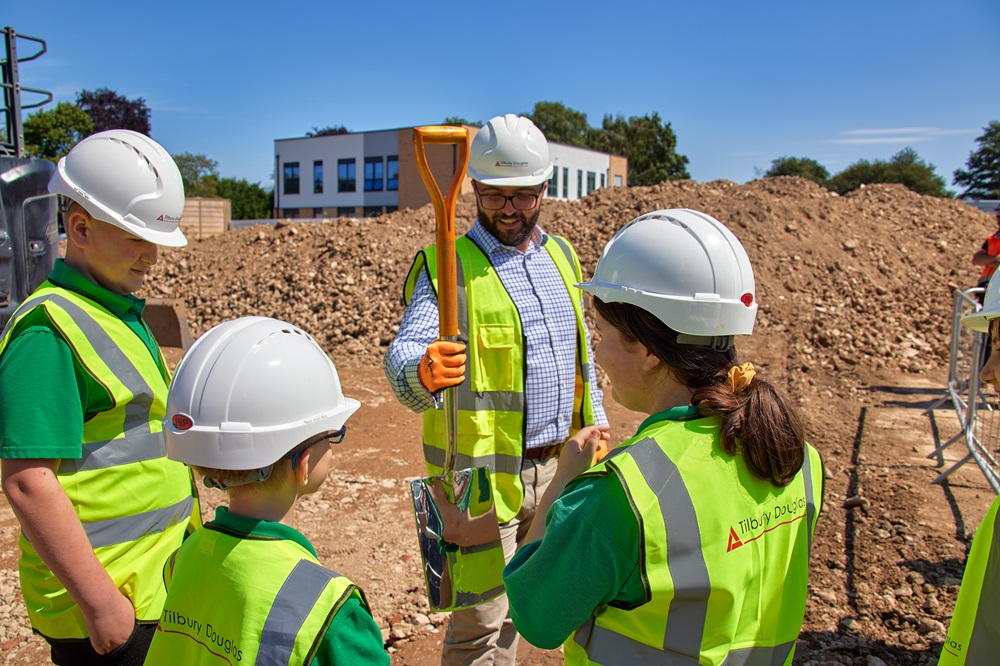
(512, 237)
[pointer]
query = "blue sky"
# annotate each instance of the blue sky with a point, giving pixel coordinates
(741, 83)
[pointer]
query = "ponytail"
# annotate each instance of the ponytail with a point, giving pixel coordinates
(758, 421)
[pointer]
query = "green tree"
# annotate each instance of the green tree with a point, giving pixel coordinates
(560, 123)
(982, 180)
(649, 144)
(905, 168)
(199, 173)
(803, 167)
(458, 120)
(51, 134)
(329, 130)
(250, 201)
(109, 110)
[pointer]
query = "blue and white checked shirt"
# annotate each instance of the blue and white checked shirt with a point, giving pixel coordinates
(549, 325)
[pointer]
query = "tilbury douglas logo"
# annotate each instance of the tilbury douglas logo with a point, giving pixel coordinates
(168, 218)
(752, 528)
(509, 164)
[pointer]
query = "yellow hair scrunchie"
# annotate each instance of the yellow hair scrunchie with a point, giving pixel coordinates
(739, 377)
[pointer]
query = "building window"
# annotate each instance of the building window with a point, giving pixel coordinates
(391, 209)
(318, 177)
(591, 181)
(346, 175)
(392, 173)
(579, 183)
(317, 212)
(373, 174)
(554, 183)
(602, 180)
(373, 211)
(618, 181)
(290, 213)
(291, 178)
(565, 182)
(345, 211)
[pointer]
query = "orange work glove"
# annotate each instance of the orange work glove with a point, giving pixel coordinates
(602, 450)
(442, 365)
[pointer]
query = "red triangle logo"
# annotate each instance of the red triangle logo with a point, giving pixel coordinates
(734, 541)
(497, 164)
(160, 218)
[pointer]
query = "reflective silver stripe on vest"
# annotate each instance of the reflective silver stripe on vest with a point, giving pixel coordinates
(481, 548)
(295, 600)
(139, 443)
(498, 463)
(130, 528)
(566, 250)
(689, 607)
(463, 599)
(810, 501)
(760, 655)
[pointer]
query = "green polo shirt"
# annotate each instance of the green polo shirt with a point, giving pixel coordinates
(353, 636)
(45, 394)
(589, 557)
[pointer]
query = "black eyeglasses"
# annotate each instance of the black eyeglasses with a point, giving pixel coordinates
(331, 437)
(498, 201)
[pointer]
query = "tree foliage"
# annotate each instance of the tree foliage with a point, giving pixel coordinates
(649, 144)
(803, 167)
(981, 178)
(109, 110)
(560, 123)
(905, 168)
(329, 130)
(250, 201)
(199, 173)
(458, 120)
(51, 134)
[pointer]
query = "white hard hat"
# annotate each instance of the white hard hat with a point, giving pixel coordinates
(248, 392)
(510, 152)
(684, 267)
(980, 321)
(127, 179)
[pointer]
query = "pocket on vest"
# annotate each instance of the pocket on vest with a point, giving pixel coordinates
(494, 358)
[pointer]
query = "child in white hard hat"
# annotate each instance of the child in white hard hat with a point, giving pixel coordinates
(693, 536)
(255, 407)
(974, 633)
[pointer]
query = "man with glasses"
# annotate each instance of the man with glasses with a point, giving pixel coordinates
(528, 384)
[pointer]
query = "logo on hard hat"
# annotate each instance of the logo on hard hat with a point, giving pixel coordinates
(747, 299)
(505, 163)
(182, 421)
(168, 218)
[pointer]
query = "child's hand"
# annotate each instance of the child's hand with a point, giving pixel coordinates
(579, 451)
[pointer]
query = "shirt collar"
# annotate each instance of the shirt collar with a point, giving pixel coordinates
(681, 413)
(65, 276)
(488, 242)
(260, 528)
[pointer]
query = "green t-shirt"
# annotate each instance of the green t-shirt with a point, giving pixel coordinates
(45, 394)
(589, 557)
(353, 636)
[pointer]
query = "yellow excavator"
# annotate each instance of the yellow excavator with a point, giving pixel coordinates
(29, 224)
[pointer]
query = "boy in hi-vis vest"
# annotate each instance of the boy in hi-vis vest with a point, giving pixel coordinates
(255, 407)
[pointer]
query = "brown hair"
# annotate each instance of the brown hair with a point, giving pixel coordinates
(759, 421)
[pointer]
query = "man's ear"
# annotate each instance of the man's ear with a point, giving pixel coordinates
(79, 227)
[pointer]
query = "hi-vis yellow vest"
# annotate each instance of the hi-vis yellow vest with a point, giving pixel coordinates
(247, 601)
(133, 502)
(974, 634)
(491, 400)
(724, 555)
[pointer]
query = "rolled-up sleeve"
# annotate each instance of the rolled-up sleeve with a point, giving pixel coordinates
(418, 328)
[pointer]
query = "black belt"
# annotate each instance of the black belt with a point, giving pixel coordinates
(543, 453)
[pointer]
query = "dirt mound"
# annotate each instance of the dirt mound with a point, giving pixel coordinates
(853, 283)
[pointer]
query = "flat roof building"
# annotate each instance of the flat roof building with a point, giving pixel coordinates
(365, 174)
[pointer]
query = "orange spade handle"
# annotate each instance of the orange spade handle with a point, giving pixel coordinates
(444, 213)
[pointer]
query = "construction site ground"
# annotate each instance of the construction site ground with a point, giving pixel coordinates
(855, 322)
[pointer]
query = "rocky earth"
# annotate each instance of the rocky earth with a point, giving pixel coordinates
(856, 297)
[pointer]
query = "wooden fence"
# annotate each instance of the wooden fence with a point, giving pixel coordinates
(205, 217)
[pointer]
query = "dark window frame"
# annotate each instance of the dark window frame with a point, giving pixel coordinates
(374, 174)
(290, 178)
(347, 175)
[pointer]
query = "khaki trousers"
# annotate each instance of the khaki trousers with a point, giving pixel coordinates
(484, 635)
